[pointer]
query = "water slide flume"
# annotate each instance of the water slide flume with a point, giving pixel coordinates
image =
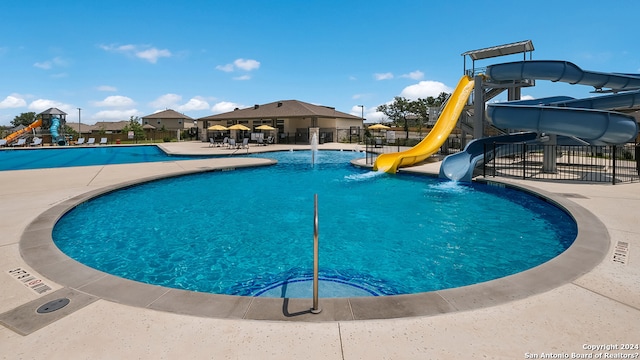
(13, 136)
(584, 119)
(437, 136)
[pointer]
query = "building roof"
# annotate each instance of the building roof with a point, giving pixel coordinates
(110, 125)
(282, 109)
(167, 114)
(500, 50)
(53, 111)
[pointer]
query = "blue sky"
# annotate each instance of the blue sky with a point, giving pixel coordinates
(116, 59)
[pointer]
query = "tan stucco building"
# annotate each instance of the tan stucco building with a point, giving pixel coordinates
(291, 119)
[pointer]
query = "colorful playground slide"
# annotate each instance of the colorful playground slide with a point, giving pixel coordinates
(436, 137)
(584, 119)
(13, 136)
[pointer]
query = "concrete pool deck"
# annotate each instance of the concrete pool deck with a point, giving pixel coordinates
(601, 306)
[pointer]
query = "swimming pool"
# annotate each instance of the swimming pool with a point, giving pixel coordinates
(23, 159)
(246, 232)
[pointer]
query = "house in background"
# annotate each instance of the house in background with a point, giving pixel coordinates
(291, 120)
(169, 120)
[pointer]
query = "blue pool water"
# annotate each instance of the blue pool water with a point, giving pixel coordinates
(250, 231)
(23, 159)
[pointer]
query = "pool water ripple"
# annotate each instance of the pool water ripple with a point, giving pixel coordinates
(247, 231)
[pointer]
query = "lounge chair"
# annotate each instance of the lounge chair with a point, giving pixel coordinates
(103, 141)
(270, 140)
(212, 142)
(3, 142)
(232, 143)
(225, 142)
(21, 142)
(36, 141)
(260, 141)
(91, 141)
(80, 141)
(245, 144)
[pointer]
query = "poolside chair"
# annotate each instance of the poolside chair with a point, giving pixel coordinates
(21, 142)
(270, 140)
(225, 142)
(36, 141)
(212, 142)
(260, 142)
(3, 142)
(103, 141)
(80, 141)
(232, 143)
(245, 144)
(91, 141)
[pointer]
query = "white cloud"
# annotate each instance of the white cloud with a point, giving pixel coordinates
(49, 64)
(12, 101)
(225, 68)
(243, 77)
(166, 101)
(383, 76)
(43, 65)
(115, 115)
(373, 116)
(153, 54)
(240, 64)
(225, 106)
(414, 75)
(106, 88)
(194, 104)
(44, 104)
(116, 101)
(424, 89)
(246, 65)
(145, 52)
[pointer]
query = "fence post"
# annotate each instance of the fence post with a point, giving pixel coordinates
(613, 158)
(524, 161)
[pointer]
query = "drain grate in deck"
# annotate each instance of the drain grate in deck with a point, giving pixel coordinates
(620, 252)
(46, 310)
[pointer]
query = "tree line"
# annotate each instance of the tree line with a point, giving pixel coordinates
(411, 113)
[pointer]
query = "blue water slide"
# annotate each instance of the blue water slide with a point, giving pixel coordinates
(581, 118)
(55, 124)
(460, 166)
(584, 119)
(564, 71)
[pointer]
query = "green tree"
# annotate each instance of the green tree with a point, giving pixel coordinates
(24, 119)
(397, 112)
(135, 126)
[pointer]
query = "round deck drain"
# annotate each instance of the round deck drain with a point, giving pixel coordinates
(53, 305)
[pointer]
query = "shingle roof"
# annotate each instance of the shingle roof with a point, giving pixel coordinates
(167, 114)
(282, 109)
(53, 111)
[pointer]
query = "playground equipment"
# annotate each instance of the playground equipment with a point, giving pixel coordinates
(52, 119)
(15, 135)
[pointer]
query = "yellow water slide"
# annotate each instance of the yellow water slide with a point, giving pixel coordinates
(17, 134)
(436, 137)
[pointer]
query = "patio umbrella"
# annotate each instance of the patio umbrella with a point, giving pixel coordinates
(238, 127)
(217, 128)
(378, 127)
(265, 127)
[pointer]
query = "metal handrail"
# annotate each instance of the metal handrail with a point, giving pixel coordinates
(315, 309)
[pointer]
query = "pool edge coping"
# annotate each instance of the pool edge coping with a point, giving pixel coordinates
(588, 250)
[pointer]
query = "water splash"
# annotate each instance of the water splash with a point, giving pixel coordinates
(314, 148)
(452, 187)
(364, 176)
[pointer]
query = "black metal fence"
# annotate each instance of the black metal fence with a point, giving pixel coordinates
(614, 164)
